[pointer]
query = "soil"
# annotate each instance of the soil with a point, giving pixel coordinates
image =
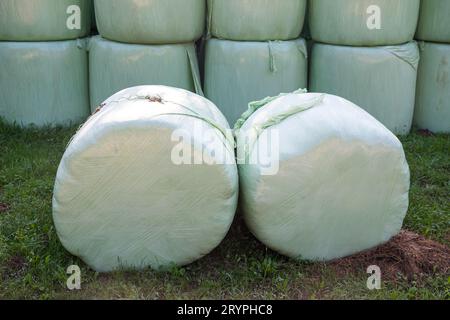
(408, 254)
(3, 207)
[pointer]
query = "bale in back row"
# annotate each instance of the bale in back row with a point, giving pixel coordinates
(381, 79)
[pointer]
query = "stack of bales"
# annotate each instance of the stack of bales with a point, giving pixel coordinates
(43, 61)
(365, 53)
(253, 50)
(433, 87)
(143, 43)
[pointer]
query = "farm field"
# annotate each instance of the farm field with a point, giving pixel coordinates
(33, 263)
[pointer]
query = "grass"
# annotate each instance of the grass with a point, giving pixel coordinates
(33, 262)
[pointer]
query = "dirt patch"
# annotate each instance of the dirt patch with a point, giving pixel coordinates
(3, 207)
(407, 254)
(425, 133)
(157, 99)
(15, 266)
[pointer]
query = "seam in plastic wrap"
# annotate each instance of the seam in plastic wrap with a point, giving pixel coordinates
(303, 49)
(259, 128)
(209, 20)
(407, 53)
(272, 62)
(193, 63)
(228, 138)
(256, 105)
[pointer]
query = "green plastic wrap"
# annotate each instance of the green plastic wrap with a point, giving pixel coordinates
(151, 21)
(256, 20)
(115, 66)
(381, 80)
(354, 22)
(121, 198)
(42, 20)
(434, 22)
(337, 183)
(237, 73)
(433, 88)
(44, 83)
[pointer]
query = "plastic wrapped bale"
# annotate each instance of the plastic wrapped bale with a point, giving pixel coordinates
(44, 20)
(115, 66)
(342, 182)
(138, 187)
(433, 88)
(44, 83)
(237, 73)
(256, 20)
(381, 80)
(151, 21)
(363, 22)
(434, 22)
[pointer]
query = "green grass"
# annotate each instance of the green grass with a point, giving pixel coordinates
(33, 262)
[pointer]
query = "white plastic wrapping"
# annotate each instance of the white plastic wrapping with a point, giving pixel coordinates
(381, 80)
(433, 88)
(44, 20)
(44, 83)
(115, 66)
(256, 20)
(120, 199)
(237, 73)
(151, 21)
(342, 184)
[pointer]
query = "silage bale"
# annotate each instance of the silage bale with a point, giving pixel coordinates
(237, 73)
(115, 66)
(433, 88)
(354, 22)
(43, 20)
(44, 83)
(120, 198)
(381, 80)
(434, 22)
(256, 20)
(151, 21)
(342, 182)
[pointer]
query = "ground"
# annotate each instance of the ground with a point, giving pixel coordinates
(33, 263)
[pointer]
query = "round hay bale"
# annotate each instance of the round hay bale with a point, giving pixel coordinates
(342, 181)
(381, 80)
(433, 88)
(238, 72)
(363, 22)
(44, 20)
(256, 20)
(122, 197)
(44, 83)
(151, 21)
